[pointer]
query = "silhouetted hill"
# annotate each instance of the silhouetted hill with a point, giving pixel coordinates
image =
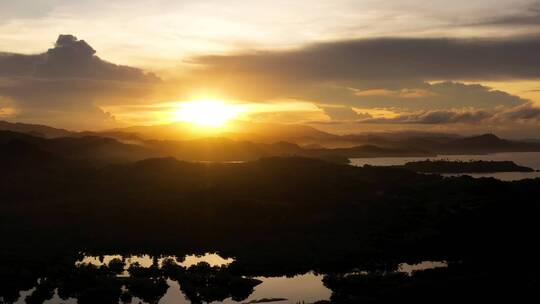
(482, 144)
(33, 129)
(101, 148)
(489, 143)
(235, 130)
(221, 149)
(276, 216)
(208, 149)
(248, 141)
(289, 202)
(91, 148)
(17, 153)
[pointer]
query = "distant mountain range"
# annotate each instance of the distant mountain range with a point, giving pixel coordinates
(262, 140)
(36, 130)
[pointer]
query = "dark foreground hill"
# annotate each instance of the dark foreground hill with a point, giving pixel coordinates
(276, 216)
(157, 201)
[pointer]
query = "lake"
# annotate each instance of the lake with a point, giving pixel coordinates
(527, 159)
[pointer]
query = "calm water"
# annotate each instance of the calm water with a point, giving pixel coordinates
(527, 159)
(306, 288)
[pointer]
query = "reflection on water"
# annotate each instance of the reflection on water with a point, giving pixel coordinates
(307, 288)
(56, 299)
(173, 294)
(303, 288)
(145, 260)
(504, 176)
(23, 294)
(527, 159)
(425, 265)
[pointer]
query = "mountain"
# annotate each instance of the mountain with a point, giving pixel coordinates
(482, 144)
(110, 150)
(243, 141)
(88, 147)
(18, 153)
(236, 130)
(36, 130)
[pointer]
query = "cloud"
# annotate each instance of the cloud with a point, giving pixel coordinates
(403, 93)
(434, 117)
(386, 59)
(524, 113)
(422, 79)
(69, 58)
(530, 16)
(339, 113)
(413, 73)
(441, 95)
(67, 84)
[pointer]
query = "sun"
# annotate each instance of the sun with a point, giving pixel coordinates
(206, 113)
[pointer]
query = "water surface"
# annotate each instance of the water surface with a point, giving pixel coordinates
(301, 288)
(527, 159)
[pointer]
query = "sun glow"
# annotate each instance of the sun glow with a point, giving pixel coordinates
(206, 113)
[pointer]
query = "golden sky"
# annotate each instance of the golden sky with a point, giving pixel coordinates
(345, 66)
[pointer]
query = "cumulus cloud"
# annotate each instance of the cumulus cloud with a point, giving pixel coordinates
(69, 58)
(67, 83)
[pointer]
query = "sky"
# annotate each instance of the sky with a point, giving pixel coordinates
(343, 66)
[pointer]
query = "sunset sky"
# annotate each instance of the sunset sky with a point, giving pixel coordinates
(342, 66)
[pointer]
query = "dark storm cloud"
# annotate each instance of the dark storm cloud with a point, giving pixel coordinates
(65, 83)
(389, 59)
(390, 72)
(70, 58)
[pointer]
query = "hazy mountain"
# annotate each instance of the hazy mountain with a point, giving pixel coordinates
(440, 144)
(36, 130)
(487, 143)
(87, 147)
(186, 142)
(236, 130)
(221, 149)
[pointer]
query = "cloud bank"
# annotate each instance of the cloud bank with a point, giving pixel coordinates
(423, 81)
